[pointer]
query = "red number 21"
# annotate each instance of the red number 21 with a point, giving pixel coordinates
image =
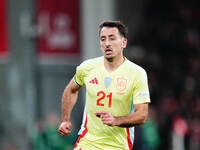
(102, 96)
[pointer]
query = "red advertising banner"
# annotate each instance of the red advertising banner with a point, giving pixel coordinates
(3, 29)
(58, 26)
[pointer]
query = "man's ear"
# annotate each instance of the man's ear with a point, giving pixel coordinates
(124, 42)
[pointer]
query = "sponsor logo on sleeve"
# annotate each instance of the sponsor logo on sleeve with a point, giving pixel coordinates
(143, 95)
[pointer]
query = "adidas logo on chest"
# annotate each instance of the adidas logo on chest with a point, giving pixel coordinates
(94, 81)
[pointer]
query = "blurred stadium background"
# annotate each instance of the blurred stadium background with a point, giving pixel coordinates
(42, 42)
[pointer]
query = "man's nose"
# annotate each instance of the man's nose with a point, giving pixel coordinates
(107, 43)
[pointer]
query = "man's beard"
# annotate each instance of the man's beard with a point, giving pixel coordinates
(109, 58)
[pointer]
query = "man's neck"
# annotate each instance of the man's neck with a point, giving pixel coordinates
(113, 64)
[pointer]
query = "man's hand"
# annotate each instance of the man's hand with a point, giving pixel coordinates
(65, 128)
(106, 117)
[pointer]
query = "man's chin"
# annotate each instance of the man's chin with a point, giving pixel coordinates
(109, 58)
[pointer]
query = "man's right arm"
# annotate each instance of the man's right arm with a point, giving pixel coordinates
(69, 99)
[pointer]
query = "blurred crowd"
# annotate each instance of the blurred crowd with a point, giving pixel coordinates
(46, 137)
(168, 47)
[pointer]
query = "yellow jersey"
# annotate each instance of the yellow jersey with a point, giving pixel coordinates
(116, 92)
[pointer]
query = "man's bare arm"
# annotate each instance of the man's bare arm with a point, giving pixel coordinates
(136, 118)
(69, 99)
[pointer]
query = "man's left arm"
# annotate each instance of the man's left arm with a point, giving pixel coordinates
(141, 101)
(138, 117)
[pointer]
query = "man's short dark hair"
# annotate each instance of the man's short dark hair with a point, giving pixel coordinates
(123, 30)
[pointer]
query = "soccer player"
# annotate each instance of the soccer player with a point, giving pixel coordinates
(117, 95)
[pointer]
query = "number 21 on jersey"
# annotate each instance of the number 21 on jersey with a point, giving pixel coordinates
(102, 95)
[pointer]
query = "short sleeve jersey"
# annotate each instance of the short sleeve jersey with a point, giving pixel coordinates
(116, 92)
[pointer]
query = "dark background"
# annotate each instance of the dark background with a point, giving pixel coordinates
(164, 38)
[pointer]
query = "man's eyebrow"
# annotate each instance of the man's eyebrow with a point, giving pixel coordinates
(103, 36)
(111, 35)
